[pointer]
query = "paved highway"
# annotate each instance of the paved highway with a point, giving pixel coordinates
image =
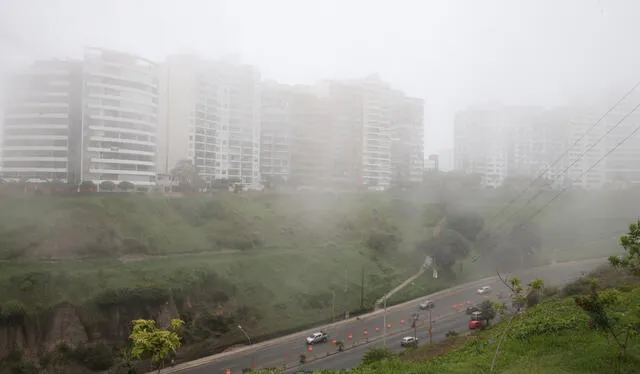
(444, 317)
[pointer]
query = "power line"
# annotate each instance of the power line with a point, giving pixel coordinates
(592, 166)
(581, 175)
(575, 162)
(513, 200)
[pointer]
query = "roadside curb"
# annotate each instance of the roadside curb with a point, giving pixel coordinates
(298, 335)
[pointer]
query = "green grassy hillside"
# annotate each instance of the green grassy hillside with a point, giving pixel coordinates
(269, 261)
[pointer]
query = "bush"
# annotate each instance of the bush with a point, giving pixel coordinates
(107, 186)
(377, 354)
(96, 358)
(550, 291)
(126, 186)
(24, 367)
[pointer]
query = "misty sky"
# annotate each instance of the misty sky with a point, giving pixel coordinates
(452, 53)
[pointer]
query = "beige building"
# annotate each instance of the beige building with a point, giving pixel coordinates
(210, 115)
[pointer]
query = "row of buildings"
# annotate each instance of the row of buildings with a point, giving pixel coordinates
(113, 116)
(570, 146)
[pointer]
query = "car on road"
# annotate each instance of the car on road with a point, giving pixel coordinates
(317, 337)
(409, 341)
(426, 305)
(472, 309)
(476, 324)
(484, 290)
(475, 316)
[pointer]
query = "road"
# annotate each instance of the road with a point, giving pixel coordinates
(355, 332)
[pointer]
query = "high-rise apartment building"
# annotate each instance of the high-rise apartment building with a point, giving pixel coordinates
(210, 115)
(362, 127)
(345, 133)
(276, 132)
(88, 120)
(43, 113)
(599, 157)
(120, 118)
(561, 145)
(407, 139)
(481, 144)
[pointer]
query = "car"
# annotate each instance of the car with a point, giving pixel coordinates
(472, 309)
(475, 316)
(475, 325)
(484, 290)
(317, 337)
(426, 305)
(409, 341)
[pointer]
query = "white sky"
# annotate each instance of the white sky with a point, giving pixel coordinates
(451, 53)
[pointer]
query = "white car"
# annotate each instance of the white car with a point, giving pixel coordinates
(408, 341)
(317, 337)
(425, 305)
(484, 290)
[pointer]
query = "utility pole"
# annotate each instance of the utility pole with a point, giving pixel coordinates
(384, 327)
(333, 305)
(414, 324)
(345, 280)
(430, 325)
(362, 290)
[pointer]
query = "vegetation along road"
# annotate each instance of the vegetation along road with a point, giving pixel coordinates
(287, 350)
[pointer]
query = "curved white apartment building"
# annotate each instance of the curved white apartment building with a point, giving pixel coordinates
(120, 118)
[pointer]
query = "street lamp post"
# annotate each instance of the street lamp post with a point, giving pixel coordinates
(414, 324)
(384, 327)
(430, 325)
(333, 305)
(250, 343)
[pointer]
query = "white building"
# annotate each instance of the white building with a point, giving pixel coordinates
(376, 133)
(210, 114)
(120, 119)
(407, 139)
(480, 140)
(38, 121)
(445, 160)
(499, 142)
(620, 168)
(276, 132)
(91, 120)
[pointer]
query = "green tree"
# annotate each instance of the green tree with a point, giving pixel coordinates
(487, 311)
(87, 186)
(518, 248)
(445, 249)
(377, 355)
(468, 224)
(631, 244)
(599, 306)
(150, 341)
(107, 186)
(186, 175)
(126, 186)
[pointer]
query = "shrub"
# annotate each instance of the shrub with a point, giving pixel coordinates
(96, 358)
(107, 186)
(377, 354)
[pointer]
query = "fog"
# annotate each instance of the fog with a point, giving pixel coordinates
(451, 53)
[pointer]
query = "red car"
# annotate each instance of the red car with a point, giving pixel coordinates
(475, 325)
